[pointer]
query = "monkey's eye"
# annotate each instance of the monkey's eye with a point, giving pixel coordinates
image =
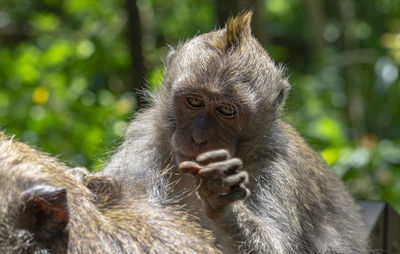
(194, 102)
(226, 111)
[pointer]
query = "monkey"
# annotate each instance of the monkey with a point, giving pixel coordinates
(45, 209)
(215, 136)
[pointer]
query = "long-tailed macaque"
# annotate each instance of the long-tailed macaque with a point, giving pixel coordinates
(44, 209)
(213, 135)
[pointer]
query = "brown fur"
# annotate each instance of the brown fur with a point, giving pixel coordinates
(236, 29)
(102, 221)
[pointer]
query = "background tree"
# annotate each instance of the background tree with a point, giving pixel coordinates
(70, 71)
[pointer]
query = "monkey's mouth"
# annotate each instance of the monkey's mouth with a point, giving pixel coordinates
(180, 157)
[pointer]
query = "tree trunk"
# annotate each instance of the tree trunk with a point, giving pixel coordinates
(354, 105)
(317, 18)
(226, 9)
(135, 39)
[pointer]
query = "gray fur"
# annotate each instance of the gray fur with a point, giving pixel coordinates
(297, 204)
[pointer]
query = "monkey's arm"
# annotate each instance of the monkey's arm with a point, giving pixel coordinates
(255, 233)
(257, 224)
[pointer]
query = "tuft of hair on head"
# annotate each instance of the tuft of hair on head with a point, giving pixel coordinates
(237, 29)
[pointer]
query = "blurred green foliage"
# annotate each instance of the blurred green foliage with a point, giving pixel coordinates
(65, 78)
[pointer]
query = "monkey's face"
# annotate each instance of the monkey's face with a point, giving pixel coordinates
(218, 92)
(205, 122)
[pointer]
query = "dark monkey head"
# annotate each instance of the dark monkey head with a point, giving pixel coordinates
(224, 89)
(33, 213)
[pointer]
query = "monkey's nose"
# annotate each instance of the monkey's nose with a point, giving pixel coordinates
(199, 140)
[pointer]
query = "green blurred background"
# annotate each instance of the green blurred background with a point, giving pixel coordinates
(70, 70)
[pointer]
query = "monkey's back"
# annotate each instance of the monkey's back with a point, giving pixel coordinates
(128, 224)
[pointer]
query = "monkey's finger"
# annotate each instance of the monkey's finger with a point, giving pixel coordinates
(224, 184)
(238, 193)
(212, 156)
(240, 178)
(222, 168)
(189, 167)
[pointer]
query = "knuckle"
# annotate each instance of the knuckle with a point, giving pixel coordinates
(235, 179)
(223, 152)
(244, 176)
(236, 162)
(213, 155)
(218, 166)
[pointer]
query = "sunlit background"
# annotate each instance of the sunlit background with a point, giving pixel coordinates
(70, 69)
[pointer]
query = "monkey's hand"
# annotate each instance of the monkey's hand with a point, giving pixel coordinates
(220, 178)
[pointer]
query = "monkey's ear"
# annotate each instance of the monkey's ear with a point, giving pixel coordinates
(283, 91)
(47, 208)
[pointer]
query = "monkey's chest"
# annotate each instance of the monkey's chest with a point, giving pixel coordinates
(184, 187)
